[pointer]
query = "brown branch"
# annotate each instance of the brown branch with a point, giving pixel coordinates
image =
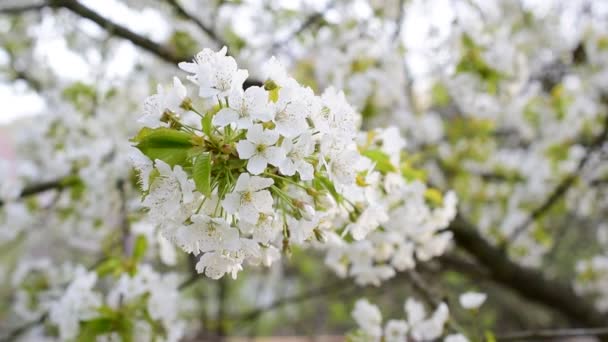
(535, 335)
(161, 51)
(118, 30)
(22, 9)
(13, 335)
(46, 186)
(312, 19)
(181, 11)
(337, 286)
(563, 187)
(527, 282)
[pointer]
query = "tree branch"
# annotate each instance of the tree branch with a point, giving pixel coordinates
(22, 9)
(563, 186)
(181, 11)
(145, 43)
(337, 286)
(46, 186)
(529, 283)
(312, 19)
(549, 334)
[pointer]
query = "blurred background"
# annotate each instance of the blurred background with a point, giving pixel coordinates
(503, 101)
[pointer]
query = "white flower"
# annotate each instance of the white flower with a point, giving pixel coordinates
(275, 71)
(472, 300)
(79, 302)
(290, 112)
(165, 99)
(168, 191)
(295, 157)
(265, 230)
(341, 166)
(215, 265)
(143, 165)
(426, 329)
(244, 107)
(215, 73)
(368, 317)
(249, 199)
(371, 218)
(339, 117)
(396, 331)
(207, 234)
(259, 149)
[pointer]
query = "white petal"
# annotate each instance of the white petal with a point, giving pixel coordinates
(274, 155)
(305, 170)
(263, 201)
(248, 213)
(256, 164)
(225, 116)
(269, 137)
(259, 183)
(243, 182)
(254, 134)
(231, 203)
(245, 149)
(287, 167)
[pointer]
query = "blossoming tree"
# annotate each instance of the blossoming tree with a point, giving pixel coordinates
(200, 166)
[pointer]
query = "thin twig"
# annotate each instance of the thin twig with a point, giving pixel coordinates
(326, 290)
(22, 9)
(57, 184)
(563, 186)
(400, 19)
(312, 19)
(184, 13)
(535, 335)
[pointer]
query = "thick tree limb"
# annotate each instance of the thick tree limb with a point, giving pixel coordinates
(548, 334)
(161, 51)
(529, 283)
(145, 43)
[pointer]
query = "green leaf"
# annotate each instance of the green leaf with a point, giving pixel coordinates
(490, 336)
(109, 266)
(168, 145)
(382, 160)
(434, 196)
(140, 247)
(93, 328)
(201, 173)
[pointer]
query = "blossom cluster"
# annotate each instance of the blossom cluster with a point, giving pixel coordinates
(144, 305)
(402, 220)
(419, 326)
(239, 175)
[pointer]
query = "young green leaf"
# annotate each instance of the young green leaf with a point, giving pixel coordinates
(201, 173)
(168, 145)
(139, 250)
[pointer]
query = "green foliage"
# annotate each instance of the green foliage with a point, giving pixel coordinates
(440, 95)
(168, 145)
(382, 160)
(140, 247)
(472, 62)
(201, 173)
(183, 44)
(83, 96)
